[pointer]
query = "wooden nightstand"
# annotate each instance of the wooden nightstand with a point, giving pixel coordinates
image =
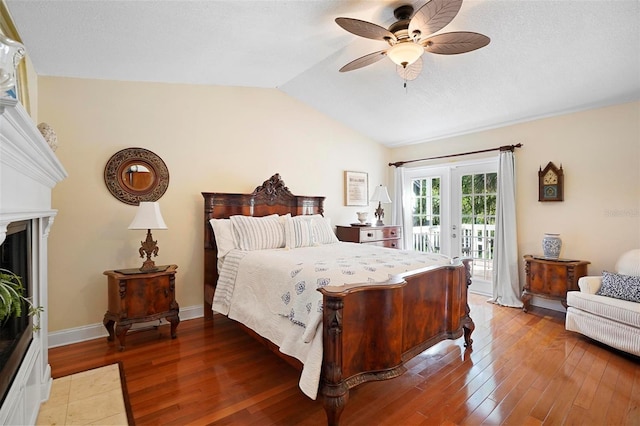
(140, 297)
(385, 236)
(551, 278)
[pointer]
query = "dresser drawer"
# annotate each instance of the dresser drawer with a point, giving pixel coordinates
(384, 236)
(376, 234)
(386, 243)
(369, 235)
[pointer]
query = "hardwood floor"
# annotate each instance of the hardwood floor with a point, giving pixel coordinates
(524, 369)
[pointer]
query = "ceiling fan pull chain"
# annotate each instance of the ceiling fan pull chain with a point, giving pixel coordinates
(405, 80)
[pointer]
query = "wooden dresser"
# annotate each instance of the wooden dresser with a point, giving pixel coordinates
(385, 236)
(551, 278)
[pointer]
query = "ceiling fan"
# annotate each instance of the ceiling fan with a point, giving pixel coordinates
(410, 36)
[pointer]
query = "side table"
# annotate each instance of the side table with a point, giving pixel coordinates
(551, 278)
(140, 297)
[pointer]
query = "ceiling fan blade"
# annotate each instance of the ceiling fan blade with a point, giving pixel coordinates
(432, 17)
(455, 42)
(366, 29)
(410, 72)
(364, 61)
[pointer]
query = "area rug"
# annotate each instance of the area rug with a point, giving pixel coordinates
(98, 397)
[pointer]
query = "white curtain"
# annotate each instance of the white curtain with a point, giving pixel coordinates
(397, 216)
(506, 285)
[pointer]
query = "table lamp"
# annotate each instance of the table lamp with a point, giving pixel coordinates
(148, 217)
(381, 195)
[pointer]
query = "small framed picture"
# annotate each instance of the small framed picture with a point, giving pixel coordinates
(356, 189)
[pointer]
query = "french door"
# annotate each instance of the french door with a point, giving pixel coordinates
(453, 211)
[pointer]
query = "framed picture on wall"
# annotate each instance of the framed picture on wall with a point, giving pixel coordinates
(356, 188)
(20, 91)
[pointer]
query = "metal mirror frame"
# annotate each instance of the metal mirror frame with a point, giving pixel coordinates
(124, 159)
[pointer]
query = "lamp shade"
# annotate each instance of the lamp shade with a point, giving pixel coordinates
(381, 195)
(405, 53)
(148, 216)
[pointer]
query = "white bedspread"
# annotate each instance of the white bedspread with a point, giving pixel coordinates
(274, 292)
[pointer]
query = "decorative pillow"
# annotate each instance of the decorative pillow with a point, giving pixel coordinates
(624, 287)
(258, 233)
(298, 232)
(223, 232)
(322, 230)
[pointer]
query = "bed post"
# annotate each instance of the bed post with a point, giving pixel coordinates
(468, 325)
(334, 390)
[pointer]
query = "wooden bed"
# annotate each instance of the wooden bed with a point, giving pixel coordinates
(369, 331)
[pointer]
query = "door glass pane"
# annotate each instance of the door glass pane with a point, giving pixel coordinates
(466, 184)
(492, 183)
(477, 231)
(426, 214)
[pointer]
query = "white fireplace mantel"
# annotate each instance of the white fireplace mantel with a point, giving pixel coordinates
(29, 170)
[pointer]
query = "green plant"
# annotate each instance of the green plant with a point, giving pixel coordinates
(12, 299)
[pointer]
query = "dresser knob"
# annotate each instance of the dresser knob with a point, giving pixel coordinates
(370, 235)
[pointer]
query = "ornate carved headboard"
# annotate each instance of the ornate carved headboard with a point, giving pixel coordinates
(270, 197)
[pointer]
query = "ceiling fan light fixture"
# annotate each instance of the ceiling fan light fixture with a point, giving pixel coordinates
(405, 53)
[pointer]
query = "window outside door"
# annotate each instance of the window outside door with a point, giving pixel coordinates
(453, 212)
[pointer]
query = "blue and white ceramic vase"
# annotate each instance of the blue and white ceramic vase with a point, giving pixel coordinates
(551, 245)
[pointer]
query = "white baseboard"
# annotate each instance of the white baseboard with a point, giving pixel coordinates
(481, 287)
(96, 331)
(541, 302)
(481, 292)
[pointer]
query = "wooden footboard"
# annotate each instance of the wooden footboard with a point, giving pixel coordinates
(370, 331)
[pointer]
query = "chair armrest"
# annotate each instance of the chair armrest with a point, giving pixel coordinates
(590, 284)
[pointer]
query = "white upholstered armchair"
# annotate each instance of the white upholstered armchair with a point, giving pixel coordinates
(607, 307)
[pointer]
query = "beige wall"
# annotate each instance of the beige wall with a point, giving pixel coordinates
(224, 139)
(600, 153)
(230, 139)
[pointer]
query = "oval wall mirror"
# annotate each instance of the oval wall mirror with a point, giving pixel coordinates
(136, 174)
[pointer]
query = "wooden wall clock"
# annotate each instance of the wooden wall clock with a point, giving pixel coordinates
(551, 183)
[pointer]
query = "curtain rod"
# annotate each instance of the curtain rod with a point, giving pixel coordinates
(502, 148)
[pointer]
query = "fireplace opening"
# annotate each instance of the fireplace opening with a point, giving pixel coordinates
(16, 333)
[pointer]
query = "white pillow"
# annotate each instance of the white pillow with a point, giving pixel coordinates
(322, 230)
(298, 233)
(258, 233)
(223, 232)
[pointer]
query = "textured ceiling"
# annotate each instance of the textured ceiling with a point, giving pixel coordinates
(545, 57)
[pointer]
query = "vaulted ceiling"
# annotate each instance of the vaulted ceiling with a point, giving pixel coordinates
(545, 57)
